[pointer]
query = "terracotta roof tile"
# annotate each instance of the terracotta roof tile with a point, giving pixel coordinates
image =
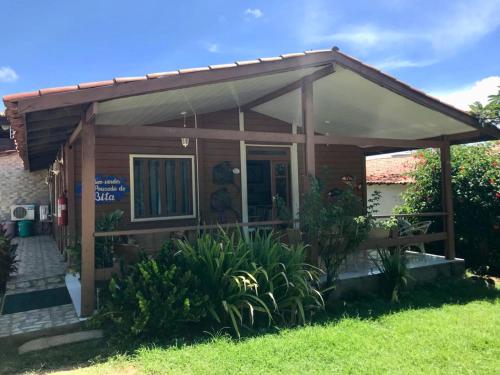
(162, 74)
(129, 79)
(390, 170)
(288, 55)
(247, 62)
(20, 95)
(223, 66)
(56, 90)
(193, 70)
(269, 59)
(89, 85)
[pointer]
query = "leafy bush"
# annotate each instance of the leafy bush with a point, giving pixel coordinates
(8, 262)
(476, 200)
(104, 246)
(393, 265)
(157, 298)
(218, 280)
(335, 224)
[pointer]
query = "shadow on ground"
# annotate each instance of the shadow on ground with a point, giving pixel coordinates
(360, 306)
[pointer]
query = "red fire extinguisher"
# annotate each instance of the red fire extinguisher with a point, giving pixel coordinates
(62, 211)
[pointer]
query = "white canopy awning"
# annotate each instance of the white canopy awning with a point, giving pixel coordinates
(345, 104)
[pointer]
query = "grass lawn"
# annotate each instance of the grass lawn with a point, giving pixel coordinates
(452, 328)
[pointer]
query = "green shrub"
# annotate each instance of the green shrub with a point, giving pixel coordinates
(104, 246)
(335, 224)
(475, 173)
(8, 262)
(156, 299)
(218, 280)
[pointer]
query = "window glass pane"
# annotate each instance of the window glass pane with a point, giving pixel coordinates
(171, 187)
(138, 188)
(185, 186)
(163, 187)
(154, 187)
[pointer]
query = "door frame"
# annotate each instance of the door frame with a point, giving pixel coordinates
(294, 178)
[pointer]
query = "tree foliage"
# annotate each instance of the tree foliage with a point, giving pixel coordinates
(488, 114)
(476, 200)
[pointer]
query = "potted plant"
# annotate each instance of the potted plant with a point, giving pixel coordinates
(383, 228)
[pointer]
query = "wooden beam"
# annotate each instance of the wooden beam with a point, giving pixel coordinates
(75, 134)
(91, 112)
(368, 142)
(308, 123)
(60, 123)
(289, 88)
(88, 219)
(117, 131)
(55, 114)
(171, 82)
(447, 199)
(61, 137)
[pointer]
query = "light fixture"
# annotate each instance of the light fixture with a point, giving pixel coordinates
(184, 141)
(5, 127)
(328, 122)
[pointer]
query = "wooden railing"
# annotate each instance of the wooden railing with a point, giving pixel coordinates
(370, 243)
(131, 232)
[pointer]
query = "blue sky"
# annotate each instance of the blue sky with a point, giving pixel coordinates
(448, 48)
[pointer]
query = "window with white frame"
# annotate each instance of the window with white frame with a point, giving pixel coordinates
(162, 187)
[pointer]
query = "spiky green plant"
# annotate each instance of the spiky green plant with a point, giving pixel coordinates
(285, 280)
(393, 265)
(221, 261)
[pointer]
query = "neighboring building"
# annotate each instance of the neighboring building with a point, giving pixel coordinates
(176, 150)
(17, 185)
(390, 176)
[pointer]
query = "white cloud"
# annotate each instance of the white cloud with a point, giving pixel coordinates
(212, 47)
(460, 24)
(396, 63)
(256, 12)
(8, 74)
(365, 37)
(476, 92)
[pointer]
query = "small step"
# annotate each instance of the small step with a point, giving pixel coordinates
(23, 286)
(52, 341)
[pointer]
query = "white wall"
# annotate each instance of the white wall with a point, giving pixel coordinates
(391, 196)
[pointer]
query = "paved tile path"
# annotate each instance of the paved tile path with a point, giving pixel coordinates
(41, 266)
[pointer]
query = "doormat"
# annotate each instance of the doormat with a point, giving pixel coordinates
(40, 299)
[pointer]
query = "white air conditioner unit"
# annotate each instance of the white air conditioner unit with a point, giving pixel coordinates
(22, 212)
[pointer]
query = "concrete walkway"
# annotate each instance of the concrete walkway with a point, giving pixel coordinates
(40, 267)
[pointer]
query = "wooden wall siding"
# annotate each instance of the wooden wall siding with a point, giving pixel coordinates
(112, 158)
(340, 161)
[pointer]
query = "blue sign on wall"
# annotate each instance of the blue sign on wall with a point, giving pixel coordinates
(108, 189)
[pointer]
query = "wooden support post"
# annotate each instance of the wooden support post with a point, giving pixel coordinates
(88, 218)
(447, 200)
(308, 123)
(69, 164)
(243, 174)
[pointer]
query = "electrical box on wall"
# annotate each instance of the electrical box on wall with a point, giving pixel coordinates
(44, 213)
